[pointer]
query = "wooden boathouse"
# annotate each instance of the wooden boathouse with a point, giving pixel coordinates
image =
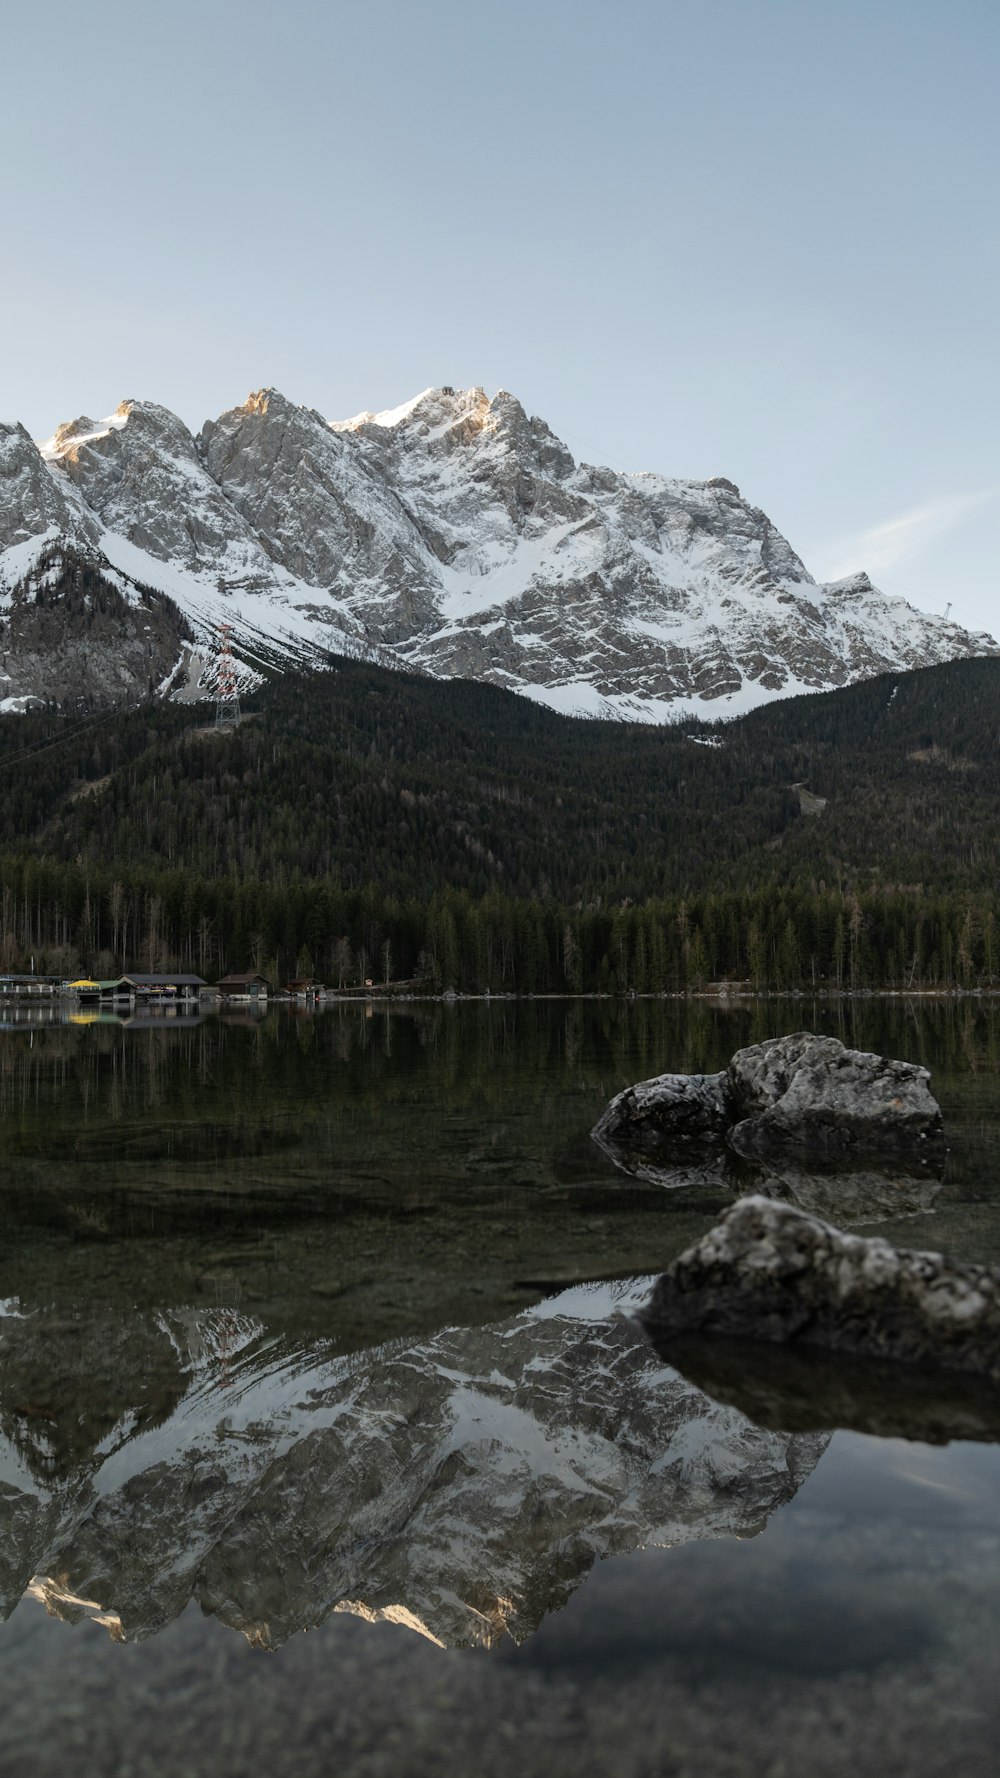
(246, 986)
(151, 989)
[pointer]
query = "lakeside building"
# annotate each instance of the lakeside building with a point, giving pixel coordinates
(162, 990)
(173, 988)
(305, 987)
(94, 990)
(16, 987)
(245, 986)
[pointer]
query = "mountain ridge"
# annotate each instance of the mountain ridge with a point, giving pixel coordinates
(455, 535)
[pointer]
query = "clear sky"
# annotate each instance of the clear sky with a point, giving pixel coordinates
(756, 238)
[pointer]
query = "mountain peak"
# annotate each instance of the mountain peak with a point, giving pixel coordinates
(15, 441)
(73, 434)
(430, 407)
(267, 401)
(83, 427)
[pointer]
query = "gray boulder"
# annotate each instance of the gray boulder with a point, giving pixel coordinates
(678, 1107)
(810, 1092)
(800, 1092)
(767, 1271)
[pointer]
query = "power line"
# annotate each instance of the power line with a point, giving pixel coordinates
(54, 741)
(68, 734)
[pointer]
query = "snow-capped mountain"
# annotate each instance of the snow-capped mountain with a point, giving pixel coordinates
(463, 1485)
(453, 535)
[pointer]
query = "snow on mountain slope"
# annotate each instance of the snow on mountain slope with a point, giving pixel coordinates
(165, 522)
(35, 507)
(321, 514)
(457, 536)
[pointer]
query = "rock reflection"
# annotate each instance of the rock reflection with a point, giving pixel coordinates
(463, 1485)
(836, 1191)
(796, 1391)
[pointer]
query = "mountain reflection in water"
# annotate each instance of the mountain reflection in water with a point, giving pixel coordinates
(464, 1485)
(300, 1441)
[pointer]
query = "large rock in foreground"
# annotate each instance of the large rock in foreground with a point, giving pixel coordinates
(799, 1092)
(812, 1092)
(766, 1271)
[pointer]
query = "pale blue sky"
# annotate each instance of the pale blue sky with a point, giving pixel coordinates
(755, 239)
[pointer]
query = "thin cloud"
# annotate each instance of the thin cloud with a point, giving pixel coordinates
(882, 546)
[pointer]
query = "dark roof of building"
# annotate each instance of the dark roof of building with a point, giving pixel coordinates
(163, 981)
(30, 978)
(242, 980)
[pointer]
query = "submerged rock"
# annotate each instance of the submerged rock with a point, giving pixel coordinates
(799, 1092)
(697, 1171)
(767, 1271)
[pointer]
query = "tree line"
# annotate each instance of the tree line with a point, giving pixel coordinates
(63, 918)
(366, 776)
(365, 824)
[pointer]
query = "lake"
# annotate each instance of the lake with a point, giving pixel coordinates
(323, 1323)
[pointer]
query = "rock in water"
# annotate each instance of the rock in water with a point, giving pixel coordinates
(675, 1106)
(766, 1271)
(810, 1092)
(801, 1092)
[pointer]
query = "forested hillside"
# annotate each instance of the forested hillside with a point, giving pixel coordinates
(365, 821)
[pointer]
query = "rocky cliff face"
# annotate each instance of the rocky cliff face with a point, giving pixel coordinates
(71, 632)
(463, 1485)
(458, 535)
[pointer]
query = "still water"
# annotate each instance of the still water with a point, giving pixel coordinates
(322, 1324)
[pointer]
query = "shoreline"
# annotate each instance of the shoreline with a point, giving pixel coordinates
(715, 997)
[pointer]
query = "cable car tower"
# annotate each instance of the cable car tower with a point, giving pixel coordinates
(227, 697)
